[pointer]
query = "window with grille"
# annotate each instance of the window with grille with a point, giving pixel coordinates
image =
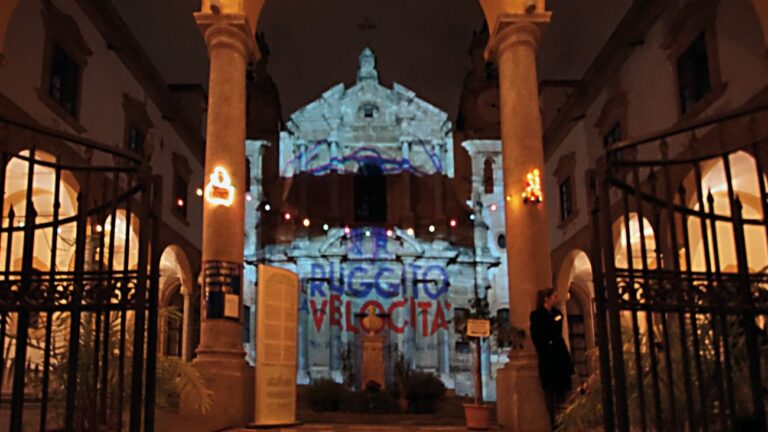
(64, 76)
(566, 199)
(693, 75)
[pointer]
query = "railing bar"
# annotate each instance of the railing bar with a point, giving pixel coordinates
(635, 324)
(694, 332)
(51, 299)
(761, 186)
(74, 331)
(139, 323)
(619, 375)
(603, 341)
(71, 137)
(154, 290)
(123, 317)
(716, 337)
(91, 168)
(3, 163)
(644, 272)
(675, 261)
(681, 209)
(108, 322)
(699, 124)
(125, 197)
(94, 390)
(748, 321)
(22, 317)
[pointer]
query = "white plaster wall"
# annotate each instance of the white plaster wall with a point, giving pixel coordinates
(105, 80)
(648, 78)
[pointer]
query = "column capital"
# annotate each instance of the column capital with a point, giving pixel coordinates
(231, 30)
(516, 28)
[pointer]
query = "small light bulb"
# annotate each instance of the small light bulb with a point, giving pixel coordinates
(99, 228)
(267, 207)
(431, 228)
(180, 202)
(410, 232)
(453, 223)
(287, 216)
(248, 197)
(199, 192)
(390, 233)
(325, 227)
(472, 217)
(58, 230)
(305, 222)
(493, 207)
(367, 233)
(347, 230)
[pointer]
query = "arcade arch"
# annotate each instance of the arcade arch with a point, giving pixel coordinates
(575, 288)
(43, 199)
(176, 292)
(632, 235)
(714, 182)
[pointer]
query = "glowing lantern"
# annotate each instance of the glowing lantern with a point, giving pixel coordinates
(305, 222)
(219, 190)
(532, 192)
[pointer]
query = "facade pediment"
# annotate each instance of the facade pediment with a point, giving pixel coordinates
(367, 122)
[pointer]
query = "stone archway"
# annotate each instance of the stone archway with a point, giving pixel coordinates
(576, 289)
(176, 291)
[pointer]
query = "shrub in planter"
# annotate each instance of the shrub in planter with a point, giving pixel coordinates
(425, 390)
(325, 395)
(352, 401)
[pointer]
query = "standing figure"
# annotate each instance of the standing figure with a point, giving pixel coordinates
(555, 365)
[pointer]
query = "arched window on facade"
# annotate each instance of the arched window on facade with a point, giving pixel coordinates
(488, 176)
(370, 193)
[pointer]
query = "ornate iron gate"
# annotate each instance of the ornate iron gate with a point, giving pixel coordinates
(681, 290)
(78, 296)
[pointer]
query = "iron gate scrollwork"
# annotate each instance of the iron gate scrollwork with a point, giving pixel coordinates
(679, 250)
(78, 287)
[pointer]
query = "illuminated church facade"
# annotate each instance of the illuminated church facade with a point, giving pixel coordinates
(361, 200)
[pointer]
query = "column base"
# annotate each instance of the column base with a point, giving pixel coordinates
(520, 403)
(229, 378)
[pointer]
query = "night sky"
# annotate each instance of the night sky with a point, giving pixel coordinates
(421, 44)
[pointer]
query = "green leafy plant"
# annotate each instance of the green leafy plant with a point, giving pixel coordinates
(584, 410)
(425, 391)
(173, 375)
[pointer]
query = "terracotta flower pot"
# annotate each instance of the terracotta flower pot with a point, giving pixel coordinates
(478, 416)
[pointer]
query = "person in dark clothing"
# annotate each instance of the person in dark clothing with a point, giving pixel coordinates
(555, 365)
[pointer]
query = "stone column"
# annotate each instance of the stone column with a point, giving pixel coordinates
(513, 45)
(406, 218)
(186, 325)
(221, 359)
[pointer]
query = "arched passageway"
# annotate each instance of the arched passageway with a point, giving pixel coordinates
(177, 313)
(714, 189)
(576, 290)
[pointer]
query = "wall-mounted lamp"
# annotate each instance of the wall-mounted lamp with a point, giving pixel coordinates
(532, 194)
(219, 190)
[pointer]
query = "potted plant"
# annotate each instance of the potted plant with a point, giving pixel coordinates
(477, 414)
(402, 372)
